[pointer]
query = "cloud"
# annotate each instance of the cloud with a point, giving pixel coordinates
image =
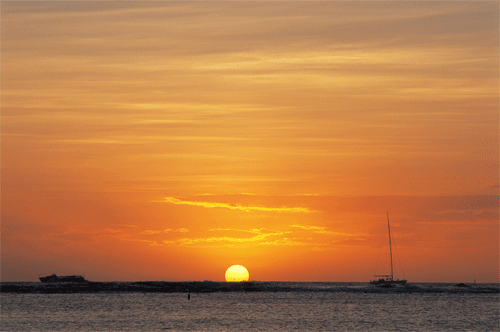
(177, 201)
(320, 230)
(178, 230)
(308, 227)
(254, 230)
(259, 238)
(285, 242)
(262, 236)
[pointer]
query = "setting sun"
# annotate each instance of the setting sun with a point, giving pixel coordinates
(237, 273)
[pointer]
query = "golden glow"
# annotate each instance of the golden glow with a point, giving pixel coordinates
(237, 273)
(222, 131)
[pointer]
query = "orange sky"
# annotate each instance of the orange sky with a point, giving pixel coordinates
(169, 141)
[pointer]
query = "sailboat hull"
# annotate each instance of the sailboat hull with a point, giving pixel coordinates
(388, 283)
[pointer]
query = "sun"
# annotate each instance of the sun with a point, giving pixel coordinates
(237, 273)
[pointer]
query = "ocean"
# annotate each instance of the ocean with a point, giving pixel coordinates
(253, 306)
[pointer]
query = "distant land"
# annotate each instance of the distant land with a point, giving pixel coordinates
(251, 286)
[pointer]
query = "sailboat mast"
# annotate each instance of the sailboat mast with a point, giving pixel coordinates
(390, 244)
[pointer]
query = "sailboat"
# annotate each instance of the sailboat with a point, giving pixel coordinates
(388, 280)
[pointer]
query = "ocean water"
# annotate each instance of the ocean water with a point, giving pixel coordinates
(256, 307)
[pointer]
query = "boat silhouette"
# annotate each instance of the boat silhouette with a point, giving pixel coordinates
(55, 278)
(386, 280)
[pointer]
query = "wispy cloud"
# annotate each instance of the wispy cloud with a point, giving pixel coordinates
(178, 230)
(177, 201)
(222, 240)
(254, 230)
(285, 242)
(308, 227)
(265, 237)
(319, 230)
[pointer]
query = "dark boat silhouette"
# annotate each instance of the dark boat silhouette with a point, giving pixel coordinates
(55, 278)
(386, 280)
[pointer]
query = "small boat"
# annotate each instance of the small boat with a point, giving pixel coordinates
(55, 278)
(387, 280)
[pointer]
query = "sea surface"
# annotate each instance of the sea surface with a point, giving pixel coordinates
(253, 306)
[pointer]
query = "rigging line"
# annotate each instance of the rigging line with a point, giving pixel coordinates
(376, 264)
(381, 247)
(390, 244)
(397, 254)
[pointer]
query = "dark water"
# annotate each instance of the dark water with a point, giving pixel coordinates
(266, 306)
